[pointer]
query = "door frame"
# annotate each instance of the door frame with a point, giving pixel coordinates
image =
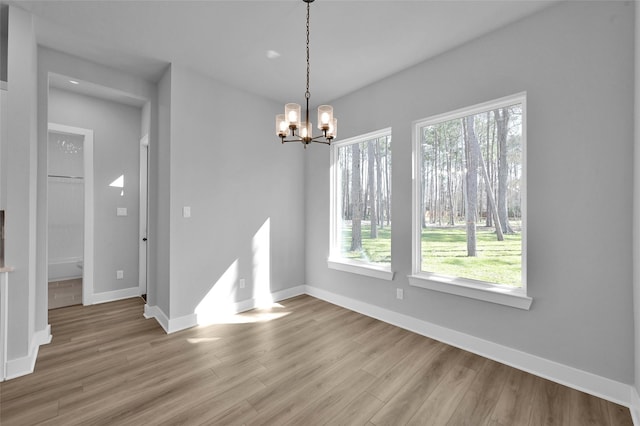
(88, 249)
(144, 202)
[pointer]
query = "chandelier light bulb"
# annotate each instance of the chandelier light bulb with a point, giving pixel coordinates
(292, 113)
(282, 126)
(325, 117)
(305, 130)
(332, 132)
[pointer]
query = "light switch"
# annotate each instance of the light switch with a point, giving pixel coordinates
(186, 211)
(121, 211)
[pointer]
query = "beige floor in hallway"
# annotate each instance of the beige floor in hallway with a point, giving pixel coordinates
(65, 293)
(304, 362)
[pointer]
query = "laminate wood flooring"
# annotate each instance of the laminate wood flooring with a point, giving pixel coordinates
(304, 362)
(65, 293)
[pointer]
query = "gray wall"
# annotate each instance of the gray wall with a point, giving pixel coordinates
(159, 190)
(4, 40)
(116, 141)
(235, 178)
(575, 60)
(19, 175)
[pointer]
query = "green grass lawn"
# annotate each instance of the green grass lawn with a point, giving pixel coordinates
(444, 251)
(376, 250)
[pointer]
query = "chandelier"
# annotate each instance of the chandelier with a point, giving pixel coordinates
(288, 125)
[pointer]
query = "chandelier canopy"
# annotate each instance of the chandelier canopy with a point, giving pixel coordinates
(289, 126)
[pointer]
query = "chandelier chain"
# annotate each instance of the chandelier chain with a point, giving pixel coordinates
(307, 94)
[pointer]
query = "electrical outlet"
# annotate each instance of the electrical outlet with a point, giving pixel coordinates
(399, 293)
(119, 274)
(242, 282)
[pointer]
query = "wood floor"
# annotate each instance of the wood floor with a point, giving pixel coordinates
(65, 293)
(305, 363)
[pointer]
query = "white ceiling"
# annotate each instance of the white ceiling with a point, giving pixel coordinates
(353, 43)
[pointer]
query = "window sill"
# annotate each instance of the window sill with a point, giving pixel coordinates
(514, 297)
(361, 268)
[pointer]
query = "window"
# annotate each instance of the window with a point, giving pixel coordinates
(469, 202)
(361, 205)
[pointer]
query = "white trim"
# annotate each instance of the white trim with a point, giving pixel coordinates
(486, 291)
(21, 366)
(26, 365)
(61, 260)
(502, 295)
(361, 268)
(182, 323)
(172, 325)
(248, 304)
(4, 322)
(634, 406)
(62, 269)
(112, 296)
(516, 98)
(157, 313)
(42, 337)
(88, 261)
(362, 138)
(143, 204)
(599, 386)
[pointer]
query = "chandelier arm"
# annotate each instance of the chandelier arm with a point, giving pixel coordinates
(306, 142)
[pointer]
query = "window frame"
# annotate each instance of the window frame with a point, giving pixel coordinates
(516, 297)
(336, 260)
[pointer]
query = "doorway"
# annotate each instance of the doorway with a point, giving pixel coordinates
(70, 215)
(119, 185)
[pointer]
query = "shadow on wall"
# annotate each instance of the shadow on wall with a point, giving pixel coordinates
(219, 304)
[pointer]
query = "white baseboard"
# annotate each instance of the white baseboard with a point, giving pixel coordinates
(26, 364)
(172, 325)
(21, 366)
(634, 407)
(599, 386)
(42, 337)
(248, 304)
(181, 323)
(157, 313)
(112, 296)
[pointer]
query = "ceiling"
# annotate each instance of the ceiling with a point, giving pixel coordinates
(353, 43)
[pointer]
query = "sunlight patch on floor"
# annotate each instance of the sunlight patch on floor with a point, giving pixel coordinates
(196, 340)
(246, 318)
